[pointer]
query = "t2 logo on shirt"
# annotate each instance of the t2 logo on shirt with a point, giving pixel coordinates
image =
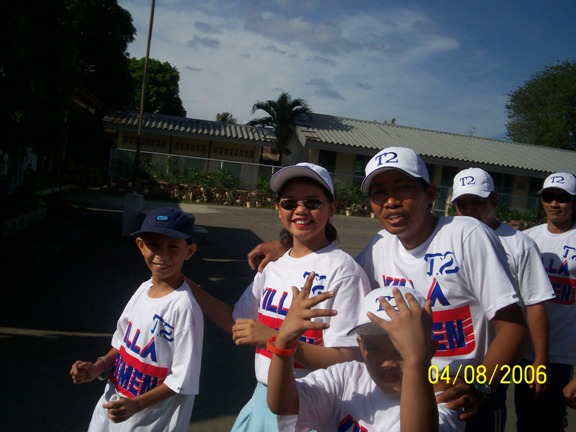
(441, 263)
(319, 281)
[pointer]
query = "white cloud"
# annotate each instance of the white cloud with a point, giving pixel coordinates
(425, 67)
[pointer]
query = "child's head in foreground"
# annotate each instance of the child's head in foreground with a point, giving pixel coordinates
(383, 361)
(166, 240)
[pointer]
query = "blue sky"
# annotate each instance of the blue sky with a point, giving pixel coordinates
(437, 64)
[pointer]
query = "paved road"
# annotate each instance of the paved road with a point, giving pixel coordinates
(68, 279)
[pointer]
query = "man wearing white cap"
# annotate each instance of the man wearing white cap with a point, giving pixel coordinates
(388, 391)
(557, 242)
(474, 196)
(457, 263)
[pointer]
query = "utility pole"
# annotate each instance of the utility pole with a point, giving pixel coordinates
(133, 201)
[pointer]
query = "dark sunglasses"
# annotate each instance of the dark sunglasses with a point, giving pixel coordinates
(310, 204)
(562, 198)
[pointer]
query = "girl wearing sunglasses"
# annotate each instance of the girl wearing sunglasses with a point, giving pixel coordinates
(305, 204)
(556, 240)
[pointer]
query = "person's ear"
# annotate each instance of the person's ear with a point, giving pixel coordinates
(140, 243)
(333, 206)
(192, 248)
(494, 199)
(432, 192)
(360, 342)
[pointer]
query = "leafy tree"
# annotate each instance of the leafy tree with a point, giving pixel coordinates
(543, 110)
(282, 114)
(101, 32)
(49, 49)
(162, 87)
(226, 117)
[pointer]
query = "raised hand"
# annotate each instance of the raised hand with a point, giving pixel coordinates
(300, 314)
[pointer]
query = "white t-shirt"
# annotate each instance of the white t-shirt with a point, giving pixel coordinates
(269, 297)
(558, 253)
(526, 265)
(462, 268)
(344, 398)
(159, 341)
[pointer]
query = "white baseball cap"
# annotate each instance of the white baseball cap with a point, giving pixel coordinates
(372, 304)
(560, 180)
(473, 181)
(302, 169)
(400, 158)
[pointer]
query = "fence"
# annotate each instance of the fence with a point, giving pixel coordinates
(169, 170)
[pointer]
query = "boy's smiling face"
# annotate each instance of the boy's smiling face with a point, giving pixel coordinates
(383, 362)
(165, 255)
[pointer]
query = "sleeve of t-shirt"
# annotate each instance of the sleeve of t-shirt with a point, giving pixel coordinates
(247, 304)
(350, 291)
(487, 270)
(184, 376)
(366, 261)
(533, 280)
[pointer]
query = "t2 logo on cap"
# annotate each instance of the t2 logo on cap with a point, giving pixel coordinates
(389, 157)
(467, 181)
(557, 179)
(162, 218)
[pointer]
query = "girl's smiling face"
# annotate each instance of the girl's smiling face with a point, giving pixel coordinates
(306, 223)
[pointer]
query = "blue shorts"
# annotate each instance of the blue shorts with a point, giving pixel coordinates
(256, 416)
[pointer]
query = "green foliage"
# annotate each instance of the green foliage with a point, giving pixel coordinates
(517, 219)
(352, 199)
(162, 87)
(226, 117)
(543, 110)
(53, 50)
(282, 114)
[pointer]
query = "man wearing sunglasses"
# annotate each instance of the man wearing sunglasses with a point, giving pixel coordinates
(557, 242)
(473, 195)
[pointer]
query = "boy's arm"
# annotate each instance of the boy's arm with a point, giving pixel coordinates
(123, 408)
(282, 394)
(410, 330)
(216, 310)
(83, 371)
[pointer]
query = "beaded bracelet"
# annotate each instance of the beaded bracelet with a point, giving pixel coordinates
(279, 351)
(104, 375)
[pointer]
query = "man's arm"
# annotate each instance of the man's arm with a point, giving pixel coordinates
(570, 393)
(507, 347)
(509, 344)
(537, 320)
(264, 253)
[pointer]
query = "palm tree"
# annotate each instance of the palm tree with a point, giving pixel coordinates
(226, 117)
(282, 114)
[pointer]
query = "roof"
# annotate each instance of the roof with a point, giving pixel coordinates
(174, 125)
(369, 137)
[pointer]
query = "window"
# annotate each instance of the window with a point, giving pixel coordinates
(327, 159)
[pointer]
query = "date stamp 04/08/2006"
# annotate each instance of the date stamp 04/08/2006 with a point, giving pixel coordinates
(514, 374)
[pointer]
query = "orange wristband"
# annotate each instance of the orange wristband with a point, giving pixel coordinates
(278, 351)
